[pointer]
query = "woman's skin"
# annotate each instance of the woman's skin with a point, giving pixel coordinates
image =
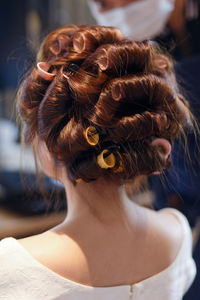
(105, 239)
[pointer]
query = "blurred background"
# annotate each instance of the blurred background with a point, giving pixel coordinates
(23, 25)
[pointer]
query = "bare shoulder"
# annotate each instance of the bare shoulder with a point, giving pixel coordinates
(52, 250)
(167, 233)
(30, 241)
(172, 223)
(41, 246)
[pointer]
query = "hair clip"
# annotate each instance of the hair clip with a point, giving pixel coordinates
(79, 180)
(91, 135)
(42, 68)
(106, 159)
(70, 70)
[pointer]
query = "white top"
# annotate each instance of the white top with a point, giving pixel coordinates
(24, 278)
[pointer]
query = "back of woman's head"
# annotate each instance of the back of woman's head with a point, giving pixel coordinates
(98, 100)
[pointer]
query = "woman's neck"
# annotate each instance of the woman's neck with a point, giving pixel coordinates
(99, 199)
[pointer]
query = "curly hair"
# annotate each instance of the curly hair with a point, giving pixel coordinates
(126, 90)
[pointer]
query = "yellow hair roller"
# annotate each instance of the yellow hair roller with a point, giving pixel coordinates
(106, 159)
(91, 135)
(79, 180)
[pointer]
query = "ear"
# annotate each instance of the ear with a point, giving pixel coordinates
(165, 145)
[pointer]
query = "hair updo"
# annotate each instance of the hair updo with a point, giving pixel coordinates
(123, 91)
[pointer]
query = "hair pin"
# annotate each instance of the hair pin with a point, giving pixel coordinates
(91, 135)
(106, 159)
(79, 180)
(70, 70)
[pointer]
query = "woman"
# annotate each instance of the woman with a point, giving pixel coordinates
(100, 111)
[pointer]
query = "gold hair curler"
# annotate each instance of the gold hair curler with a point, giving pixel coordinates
(91, 135)
(79, 180)
(106, 159)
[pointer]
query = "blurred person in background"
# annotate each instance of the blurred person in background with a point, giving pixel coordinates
(100, 111)
(174, 23)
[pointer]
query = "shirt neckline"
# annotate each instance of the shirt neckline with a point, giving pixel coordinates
(148, 279)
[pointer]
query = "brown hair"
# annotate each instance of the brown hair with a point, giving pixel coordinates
(126, 90)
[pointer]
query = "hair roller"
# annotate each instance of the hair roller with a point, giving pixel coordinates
(106, 108)
(145, 91)
(117, 91)
(88, 39)
(84, 41)
(91, 135)
(103, 60)
(42, 68)
(50, 45)
(161, 62)
(111, 34)
(123, 58)
(60, 44)
(106, 159)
